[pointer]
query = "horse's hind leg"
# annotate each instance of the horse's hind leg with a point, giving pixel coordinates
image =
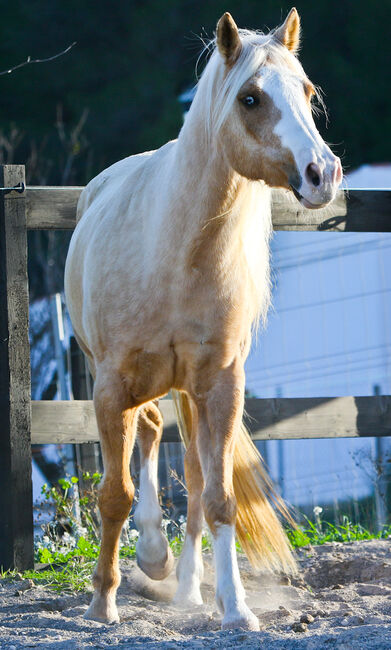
(154, 556)
(116, 422)
(190, 568)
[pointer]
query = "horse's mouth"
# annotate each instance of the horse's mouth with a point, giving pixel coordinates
(304, 202)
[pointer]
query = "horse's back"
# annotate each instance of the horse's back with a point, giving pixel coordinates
(111, 177)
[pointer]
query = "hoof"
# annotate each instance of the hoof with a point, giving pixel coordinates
(102, 611)
(245, 622)
(157, 570)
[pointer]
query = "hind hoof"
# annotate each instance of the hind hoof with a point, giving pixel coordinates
(247, 622)
(102, 610)
(157, 570)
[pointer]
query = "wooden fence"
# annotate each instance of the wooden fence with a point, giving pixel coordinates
(24, 422)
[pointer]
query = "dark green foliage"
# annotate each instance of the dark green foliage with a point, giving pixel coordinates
(133, 59)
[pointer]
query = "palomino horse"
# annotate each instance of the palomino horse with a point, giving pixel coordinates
(167, 272)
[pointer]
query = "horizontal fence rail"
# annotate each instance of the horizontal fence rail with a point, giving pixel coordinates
(354, 210)
(267, 419)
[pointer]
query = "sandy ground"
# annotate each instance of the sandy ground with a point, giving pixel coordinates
(343, 596)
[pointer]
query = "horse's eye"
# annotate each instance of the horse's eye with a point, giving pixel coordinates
(250, 101)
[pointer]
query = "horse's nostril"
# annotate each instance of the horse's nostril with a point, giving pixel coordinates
(313, 174)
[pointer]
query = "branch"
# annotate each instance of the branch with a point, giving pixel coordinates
(29, 60)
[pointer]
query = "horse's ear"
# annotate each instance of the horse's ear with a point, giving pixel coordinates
(289, 33)
(228, 39)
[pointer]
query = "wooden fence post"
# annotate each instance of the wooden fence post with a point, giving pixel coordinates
(16, 513)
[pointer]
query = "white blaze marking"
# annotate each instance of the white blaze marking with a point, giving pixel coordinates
(297, 131)
(296, 128)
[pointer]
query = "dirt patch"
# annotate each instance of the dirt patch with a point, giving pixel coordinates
(341, 600)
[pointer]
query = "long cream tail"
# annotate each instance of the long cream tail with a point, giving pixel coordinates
(258, 528)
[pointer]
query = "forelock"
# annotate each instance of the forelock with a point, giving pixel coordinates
(257, 50)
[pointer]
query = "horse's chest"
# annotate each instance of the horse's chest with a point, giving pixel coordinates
(216, 307)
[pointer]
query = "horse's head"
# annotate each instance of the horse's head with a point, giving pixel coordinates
(262, 110)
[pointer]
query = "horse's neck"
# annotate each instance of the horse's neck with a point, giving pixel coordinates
(224, 211)
(221, 225)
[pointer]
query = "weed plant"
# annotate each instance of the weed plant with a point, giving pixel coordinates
(67, 551)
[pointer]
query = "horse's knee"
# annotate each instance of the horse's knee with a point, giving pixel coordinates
(152, 415)
(115, 500)
(150, 419)
(219, 506)
(153, 554)
(149, 427)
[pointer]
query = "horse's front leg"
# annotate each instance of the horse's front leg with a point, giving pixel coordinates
(153, 554)
(220, 412)
(116, 422)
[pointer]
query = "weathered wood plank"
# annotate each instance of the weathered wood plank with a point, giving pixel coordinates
(288, 214)
(16, 503)
(51, 208)
(87, 455)
(268, 419)
(356, 210)
(64, 422)
(341, 417)
(353, 211)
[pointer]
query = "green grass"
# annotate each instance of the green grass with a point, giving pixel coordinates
(323, 532)
(70, 577)
(70, 572)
